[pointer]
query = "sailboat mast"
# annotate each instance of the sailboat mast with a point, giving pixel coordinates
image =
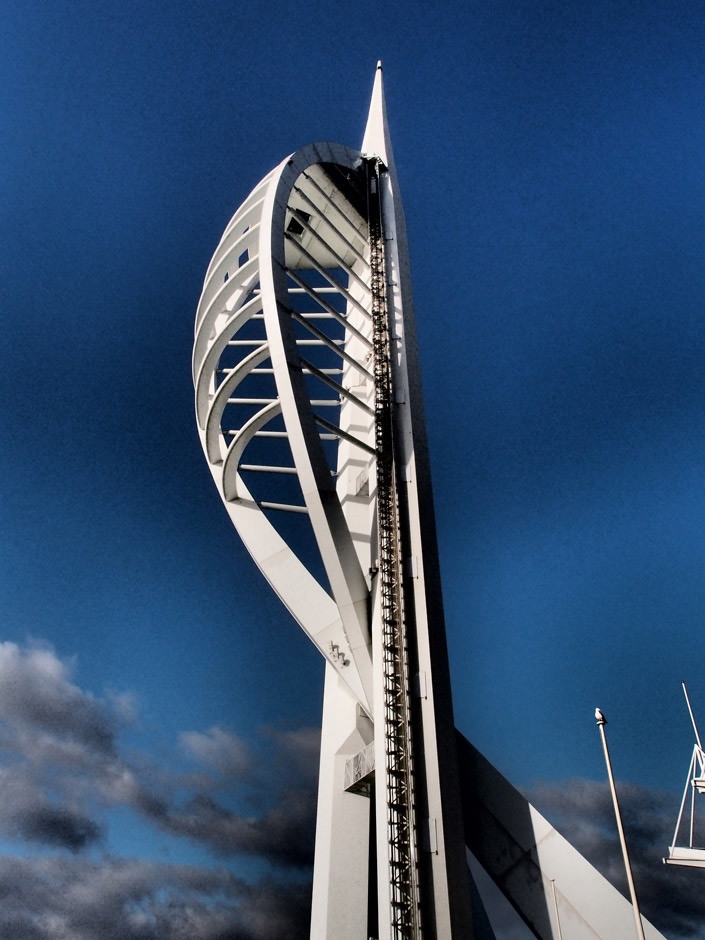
(692, 717)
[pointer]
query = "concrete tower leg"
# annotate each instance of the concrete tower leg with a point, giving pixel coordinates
(340, 873)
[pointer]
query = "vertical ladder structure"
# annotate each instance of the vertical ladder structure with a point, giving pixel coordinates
(396, 719)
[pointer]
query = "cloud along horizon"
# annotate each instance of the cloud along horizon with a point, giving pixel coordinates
(65, 770)
(669, 896)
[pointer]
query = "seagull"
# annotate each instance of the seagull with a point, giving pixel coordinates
(600, 717)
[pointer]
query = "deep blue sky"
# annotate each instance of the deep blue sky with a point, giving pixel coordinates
(551, 162)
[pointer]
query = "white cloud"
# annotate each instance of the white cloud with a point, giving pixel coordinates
(39, 703)
(125, 705)
(218, 750)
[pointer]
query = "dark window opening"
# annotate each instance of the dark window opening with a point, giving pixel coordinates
(295, 227)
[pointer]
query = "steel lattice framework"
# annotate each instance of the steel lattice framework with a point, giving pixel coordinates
(309, 409)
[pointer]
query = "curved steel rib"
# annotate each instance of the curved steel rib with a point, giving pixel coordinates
(283, 324)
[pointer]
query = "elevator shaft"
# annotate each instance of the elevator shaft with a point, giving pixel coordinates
(396, 718)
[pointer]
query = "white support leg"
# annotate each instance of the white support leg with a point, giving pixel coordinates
(340, 873)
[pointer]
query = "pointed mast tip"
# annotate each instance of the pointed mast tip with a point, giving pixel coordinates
(376, 137)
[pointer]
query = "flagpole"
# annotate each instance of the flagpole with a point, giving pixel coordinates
(601, 722)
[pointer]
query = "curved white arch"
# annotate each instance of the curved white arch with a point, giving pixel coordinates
(232, 482)
(247, 286)
(220, 400)
(229, 298)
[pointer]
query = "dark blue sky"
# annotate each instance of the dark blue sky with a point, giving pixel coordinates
(550, 157)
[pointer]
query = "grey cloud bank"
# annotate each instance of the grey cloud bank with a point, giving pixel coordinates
(670, 897)
(63, 772)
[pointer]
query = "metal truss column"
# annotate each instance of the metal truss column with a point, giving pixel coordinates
(394, 723)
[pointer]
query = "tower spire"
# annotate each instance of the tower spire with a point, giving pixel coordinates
(376, 141)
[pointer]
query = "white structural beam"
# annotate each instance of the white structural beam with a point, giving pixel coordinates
(342, 870)
(443, 881)
(537, 870)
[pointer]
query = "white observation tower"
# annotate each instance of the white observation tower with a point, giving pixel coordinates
(310, 413)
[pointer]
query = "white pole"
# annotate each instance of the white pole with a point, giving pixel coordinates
(601, 722)
(692, 717)
(555, 907)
